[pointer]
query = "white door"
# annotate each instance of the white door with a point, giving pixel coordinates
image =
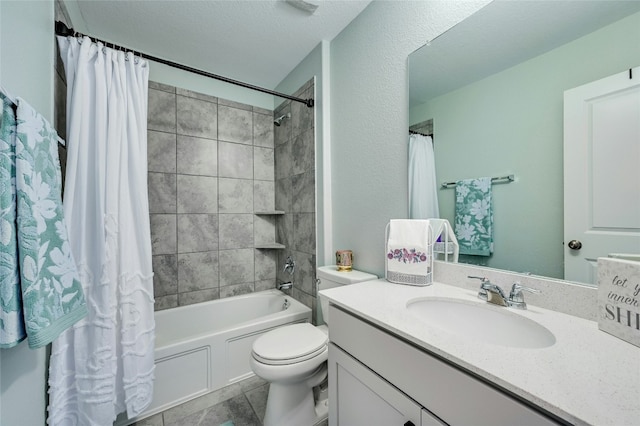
(601, 172)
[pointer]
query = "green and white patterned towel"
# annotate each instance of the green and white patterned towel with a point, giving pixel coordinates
(474, 216)
(11, 322)
(47, 284)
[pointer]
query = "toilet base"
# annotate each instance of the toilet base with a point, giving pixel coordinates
(293, 404)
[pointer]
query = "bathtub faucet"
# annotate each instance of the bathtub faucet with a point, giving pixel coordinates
(285, 286)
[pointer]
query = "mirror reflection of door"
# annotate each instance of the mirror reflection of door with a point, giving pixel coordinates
(601, 173)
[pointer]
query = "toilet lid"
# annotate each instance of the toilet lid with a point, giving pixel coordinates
(291, 343)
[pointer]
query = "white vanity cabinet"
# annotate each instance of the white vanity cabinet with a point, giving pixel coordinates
(375, 378)
(368, 399)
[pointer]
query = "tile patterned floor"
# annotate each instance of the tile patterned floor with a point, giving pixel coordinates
(242, 403)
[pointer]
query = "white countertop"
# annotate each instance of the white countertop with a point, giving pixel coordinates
(586, 377)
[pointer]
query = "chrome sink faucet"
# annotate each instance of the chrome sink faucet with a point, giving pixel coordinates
(493, 293)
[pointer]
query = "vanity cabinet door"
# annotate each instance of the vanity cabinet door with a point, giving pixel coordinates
(359, 397)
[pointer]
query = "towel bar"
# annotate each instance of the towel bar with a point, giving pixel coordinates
(501, 179)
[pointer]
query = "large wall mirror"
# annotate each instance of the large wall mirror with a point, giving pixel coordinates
(492, 89)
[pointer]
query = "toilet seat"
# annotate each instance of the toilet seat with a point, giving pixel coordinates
(290, 344)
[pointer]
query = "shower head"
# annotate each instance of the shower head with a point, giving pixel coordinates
(280, 119)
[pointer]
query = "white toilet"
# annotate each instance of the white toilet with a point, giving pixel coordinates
(293, 360)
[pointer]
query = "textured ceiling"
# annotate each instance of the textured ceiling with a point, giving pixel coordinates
(258, 42)
(503, 34)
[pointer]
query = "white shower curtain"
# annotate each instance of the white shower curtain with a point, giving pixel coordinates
(423, 192)
(104, 365)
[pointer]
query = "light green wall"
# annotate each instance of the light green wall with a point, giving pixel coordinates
(369, 118)
(26, 70)
(26, 57)
(512, 122)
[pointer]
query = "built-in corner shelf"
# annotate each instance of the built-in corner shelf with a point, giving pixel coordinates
(271, 246)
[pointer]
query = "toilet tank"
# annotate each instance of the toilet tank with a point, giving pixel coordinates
(330, 277)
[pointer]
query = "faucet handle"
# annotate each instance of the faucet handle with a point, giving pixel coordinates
(482, 293)
(290, 265)
(516, 298)
(517, 288)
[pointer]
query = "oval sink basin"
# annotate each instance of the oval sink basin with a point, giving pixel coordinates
(483, 322)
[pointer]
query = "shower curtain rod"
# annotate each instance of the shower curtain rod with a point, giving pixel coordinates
(413, 132)
(63, 30)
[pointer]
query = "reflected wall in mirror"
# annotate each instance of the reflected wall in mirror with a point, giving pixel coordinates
(493, 86)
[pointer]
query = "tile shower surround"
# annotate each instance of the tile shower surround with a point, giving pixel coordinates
(211, 166)
(295, 194)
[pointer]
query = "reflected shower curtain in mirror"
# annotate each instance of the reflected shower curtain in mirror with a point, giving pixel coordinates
(104, 365)
(423, 194)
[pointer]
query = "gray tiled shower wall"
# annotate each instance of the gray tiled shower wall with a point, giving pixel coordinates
(295, 194)
(211, 165)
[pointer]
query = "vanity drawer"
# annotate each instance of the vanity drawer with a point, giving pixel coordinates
(450, 393)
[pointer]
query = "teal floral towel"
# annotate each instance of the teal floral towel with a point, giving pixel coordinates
(52, 296)
(474, 216)
(11, 322)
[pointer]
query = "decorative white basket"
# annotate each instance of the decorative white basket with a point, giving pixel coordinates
(446, 246)
(410, 279)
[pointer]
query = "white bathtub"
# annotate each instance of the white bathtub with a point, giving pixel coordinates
(206, 346)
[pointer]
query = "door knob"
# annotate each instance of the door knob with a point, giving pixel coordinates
(575, 245)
